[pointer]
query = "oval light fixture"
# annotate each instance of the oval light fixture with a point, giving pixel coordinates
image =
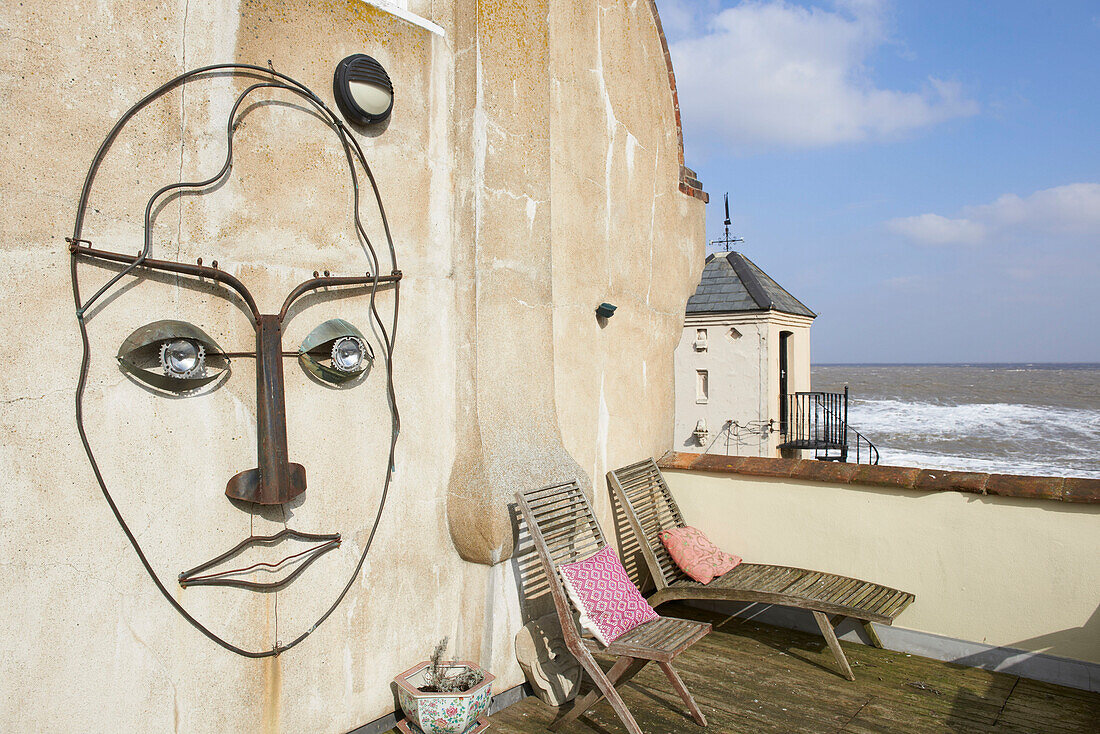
(362, 89)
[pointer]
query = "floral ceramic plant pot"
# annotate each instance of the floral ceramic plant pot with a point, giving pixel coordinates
(443, 713)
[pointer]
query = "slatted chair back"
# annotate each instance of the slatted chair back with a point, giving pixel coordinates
(651, 508)
(564, 530)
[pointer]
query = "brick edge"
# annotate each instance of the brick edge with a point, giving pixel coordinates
(689, 184)
(1077, 490)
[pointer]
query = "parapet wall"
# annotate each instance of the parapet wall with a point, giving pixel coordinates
(1066, 489)
(1001, 561)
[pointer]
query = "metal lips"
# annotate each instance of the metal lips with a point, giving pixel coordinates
(204, 575)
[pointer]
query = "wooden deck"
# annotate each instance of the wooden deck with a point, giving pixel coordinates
(749, 677)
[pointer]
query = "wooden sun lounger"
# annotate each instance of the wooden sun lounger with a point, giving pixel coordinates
(564, 529)
(648, 504)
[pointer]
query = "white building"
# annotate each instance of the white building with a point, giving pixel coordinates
(746, 343)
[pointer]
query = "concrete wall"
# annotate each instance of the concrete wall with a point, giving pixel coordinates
(743, 376)
(1004, 572)
(529, 143)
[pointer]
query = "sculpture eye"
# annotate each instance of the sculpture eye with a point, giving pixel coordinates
(174, 356)
(182, 358)
(336, 352)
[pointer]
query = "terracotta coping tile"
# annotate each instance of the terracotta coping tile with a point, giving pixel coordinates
(899, 477)
(760, 466)
(837, 472)
(1010, 485)
(678, 460)
(940, 480)
(1071, 489)
(728, 464)
(1079, 489)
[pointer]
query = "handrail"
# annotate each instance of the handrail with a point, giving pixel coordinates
(872, 450)
(819, 421)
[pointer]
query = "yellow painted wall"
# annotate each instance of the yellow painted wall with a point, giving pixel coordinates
(1001, 571)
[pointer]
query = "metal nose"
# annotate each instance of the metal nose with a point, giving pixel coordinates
(250, 486)
(275, 480)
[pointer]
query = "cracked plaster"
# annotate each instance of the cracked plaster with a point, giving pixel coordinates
(508, 193)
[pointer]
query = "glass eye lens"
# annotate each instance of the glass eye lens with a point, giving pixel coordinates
(347, 354)
(181, 357)
(336, 352)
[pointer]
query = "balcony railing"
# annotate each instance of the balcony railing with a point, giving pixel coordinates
(818, 422)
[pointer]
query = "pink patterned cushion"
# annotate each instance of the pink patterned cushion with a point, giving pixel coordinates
(609, 603)
(696, 555)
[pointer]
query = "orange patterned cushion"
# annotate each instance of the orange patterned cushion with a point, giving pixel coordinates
(696, 555)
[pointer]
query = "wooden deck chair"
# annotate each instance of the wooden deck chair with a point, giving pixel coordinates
(648, 504)
(564, 530)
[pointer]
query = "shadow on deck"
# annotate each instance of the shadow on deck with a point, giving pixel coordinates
(750, 677)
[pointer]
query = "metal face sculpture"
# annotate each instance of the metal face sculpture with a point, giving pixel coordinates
(176, 359)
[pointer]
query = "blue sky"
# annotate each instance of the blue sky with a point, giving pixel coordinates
(923, 175)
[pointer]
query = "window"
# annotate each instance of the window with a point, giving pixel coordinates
(702, 386)
(734, 333)
(700, 340)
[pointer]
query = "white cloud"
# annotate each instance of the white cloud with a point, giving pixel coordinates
(1070, 210)
(769, 73)
(932, 229)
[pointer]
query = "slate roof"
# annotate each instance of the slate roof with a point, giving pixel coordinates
(732, 283)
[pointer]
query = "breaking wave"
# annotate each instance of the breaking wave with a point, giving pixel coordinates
(991, 437)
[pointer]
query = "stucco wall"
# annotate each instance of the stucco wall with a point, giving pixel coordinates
(1008, 572)
(743, 375)
(530, 170)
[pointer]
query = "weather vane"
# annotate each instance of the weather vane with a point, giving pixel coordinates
(726, 240)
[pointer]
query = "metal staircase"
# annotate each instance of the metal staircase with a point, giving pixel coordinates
(818, 422)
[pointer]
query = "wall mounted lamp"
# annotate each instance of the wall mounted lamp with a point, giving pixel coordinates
(701, 433)
(362, 89)
(606, 310)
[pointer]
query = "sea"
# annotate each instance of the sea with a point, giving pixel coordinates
(1037, 419)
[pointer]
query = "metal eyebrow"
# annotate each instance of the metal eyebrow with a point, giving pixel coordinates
(199, 271)
(331, 280)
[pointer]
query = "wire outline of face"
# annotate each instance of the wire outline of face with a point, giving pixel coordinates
(80, 248)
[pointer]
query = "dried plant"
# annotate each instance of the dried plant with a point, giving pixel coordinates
(434, 673)
(436, 679)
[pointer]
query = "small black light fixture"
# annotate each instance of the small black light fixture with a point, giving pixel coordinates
(363, 90)
(606, 310)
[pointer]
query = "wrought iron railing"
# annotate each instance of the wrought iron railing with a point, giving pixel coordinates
(814, 420)
(818, 422)
(869, 450)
